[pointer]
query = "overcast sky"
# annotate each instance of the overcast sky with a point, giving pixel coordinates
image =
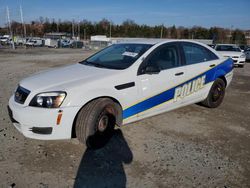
(206, 13)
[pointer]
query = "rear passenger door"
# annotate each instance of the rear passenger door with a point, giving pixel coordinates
(200, 66)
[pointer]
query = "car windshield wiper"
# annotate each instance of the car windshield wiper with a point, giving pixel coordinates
(99, 65)
(92, 64)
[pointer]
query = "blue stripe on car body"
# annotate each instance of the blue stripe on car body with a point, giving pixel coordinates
(211, 75)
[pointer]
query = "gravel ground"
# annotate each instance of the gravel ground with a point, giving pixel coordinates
(190, 147)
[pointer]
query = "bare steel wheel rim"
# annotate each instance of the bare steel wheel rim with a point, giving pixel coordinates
(103, 123)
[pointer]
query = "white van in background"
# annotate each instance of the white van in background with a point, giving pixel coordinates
(34, 42)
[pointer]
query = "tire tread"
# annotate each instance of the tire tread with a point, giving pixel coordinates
(86, 118)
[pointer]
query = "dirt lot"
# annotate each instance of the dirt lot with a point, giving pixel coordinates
(189, 147)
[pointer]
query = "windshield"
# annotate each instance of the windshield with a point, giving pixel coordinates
(228, 48)
(117, 56)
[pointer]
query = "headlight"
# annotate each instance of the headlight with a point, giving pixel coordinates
(48, 99)
(243, 56)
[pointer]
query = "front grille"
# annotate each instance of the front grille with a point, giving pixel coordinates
(235, 61)
(21, 94)
(235, 57)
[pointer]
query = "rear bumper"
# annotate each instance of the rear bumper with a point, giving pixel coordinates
(41, 123)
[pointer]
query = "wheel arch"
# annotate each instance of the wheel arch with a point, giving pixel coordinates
(73, 131)
(224, 79)
(221, 74)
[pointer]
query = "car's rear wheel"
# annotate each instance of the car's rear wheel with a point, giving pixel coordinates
(216, 94)
(96, 121)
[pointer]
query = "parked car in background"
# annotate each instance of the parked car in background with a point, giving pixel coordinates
(76, 44)
(247, 53)
(65, 43)
(5, 39)
(232, 51)
(20, 41)
(70, 44)
(51, 43)
(244, 47)
(34, 42)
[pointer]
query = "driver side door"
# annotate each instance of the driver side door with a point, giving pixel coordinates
(158, 76)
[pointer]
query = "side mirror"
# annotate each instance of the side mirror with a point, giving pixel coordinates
(152, 70)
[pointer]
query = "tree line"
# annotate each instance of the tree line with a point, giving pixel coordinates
(128, 28)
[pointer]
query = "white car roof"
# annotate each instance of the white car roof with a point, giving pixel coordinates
(155, 41)
(227, 45)
(145, 41)
(162, 41)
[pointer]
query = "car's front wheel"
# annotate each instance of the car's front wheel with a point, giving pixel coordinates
(96, 121)
(216, 94)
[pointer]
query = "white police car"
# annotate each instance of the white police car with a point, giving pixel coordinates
(121, 84)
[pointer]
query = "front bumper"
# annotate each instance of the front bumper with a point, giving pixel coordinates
(229, 77)
(239, 61)
(41, 123)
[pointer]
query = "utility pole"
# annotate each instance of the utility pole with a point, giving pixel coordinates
(79, 30)
(24, 26)
(57, 26)
(161, 30)
(84, 35)
(73, 30)
(9, 24)
(110, 25)
(231, 34)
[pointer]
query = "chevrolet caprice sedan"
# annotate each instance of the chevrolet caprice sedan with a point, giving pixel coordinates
(120, 84)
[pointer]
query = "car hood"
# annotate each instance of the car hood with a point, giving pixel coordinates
(230, 54)
(46, 80)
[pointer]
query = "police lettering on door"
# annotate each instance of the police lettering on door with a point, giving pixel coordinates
(189, 88)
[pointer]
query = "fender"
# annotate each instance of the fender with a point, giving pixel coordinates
(90, 95)
(219, 73)
(224, 68)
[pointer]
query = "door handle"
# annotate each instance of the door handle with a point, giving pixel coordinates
(213, 65)
(179, 73)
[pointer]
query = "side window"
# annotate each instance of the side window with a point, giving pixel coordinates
(165, 57)
(197, 54)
